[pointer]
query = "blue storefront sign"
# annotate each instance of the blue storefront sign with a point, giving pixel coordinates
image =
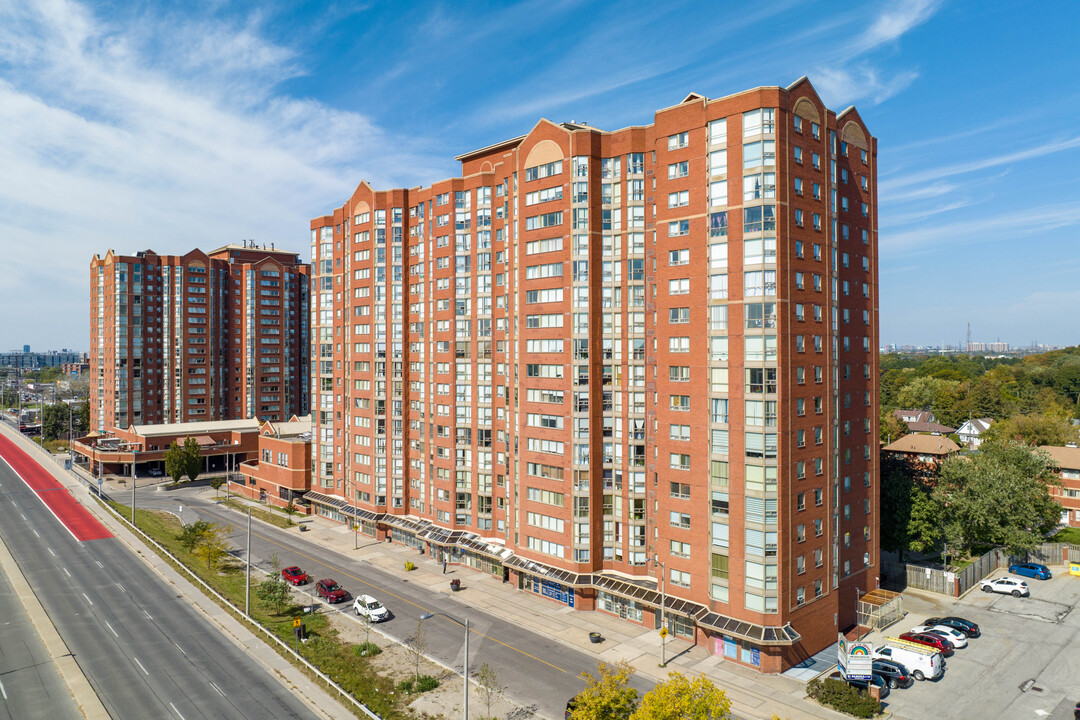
(553, 590)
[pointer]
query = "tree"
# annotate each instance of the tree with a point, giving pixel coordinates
(607, 695)
(680, 698)
(897, 479)
(488, 687)
(1034, 430)
(191, 534)
(216, 483)
(417, 646)
(183, 460)
(274, 593)
(998, 496)
(192, 461)
(213, 544)
(889, 427)
(175, 461)
(924, 527)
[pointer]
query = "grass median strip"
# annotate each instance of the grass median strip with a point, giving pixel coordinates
(261, 514)
(323, 649)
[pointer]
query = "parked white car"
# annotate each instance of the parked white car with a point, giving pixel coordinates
(368, 607)
(957, 638)
(1007, 585)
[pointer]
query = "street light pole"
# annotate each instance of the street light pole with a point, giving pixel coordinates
(133, 488)
(355, 519)
(465, 695)
(663, 607)
(247, 581)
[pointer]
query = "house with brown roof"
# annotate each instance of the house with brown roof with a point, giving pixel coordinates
(922, 421)
(924, 451)
(1068, 460)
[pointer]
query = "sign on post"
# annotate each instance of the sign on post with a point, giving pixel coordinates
(856, 660)
(296, 622)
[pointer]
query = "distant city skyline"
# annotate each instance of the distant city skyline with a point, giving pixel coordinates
(134, 126)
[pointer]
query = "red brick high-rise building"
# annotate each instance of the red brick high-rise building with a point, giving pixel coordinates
(197, 337)
(615, 366)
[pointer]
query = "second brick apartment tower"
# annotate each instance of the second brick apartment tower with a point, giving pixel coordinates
(619, 366)
(197, 337)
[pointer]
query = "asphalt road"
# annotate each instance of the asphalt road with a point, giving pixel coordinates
(540, 672)
(30, 685)
(146, 653)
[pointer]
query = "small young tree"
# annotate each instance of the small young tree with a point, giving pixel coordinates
(191, 534)
(216, 483)
(488, 687)
(680, 698)
(213, 544)
(417, 646)
(273, 593)
(607, 695)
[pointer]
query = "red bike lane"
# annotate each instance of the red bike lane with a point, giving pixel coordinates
(77, 519)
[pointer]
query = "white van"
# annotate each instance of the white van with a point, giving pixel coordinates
(921, 661)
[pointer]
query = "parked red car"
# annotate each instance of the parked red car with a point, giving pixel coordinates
(935, 641)
(330, 590)
(294, 575)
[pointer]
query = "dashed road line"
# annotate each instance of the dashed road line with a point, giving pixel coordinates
(140, 665)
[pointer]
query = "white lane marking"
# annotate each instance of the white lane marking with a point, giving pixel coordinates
(2, 690)
(36, 534)
(66, 572)
(219, 690)
(176, 711)
(110, 628)
(88, 599)
(23, 517)
(181, 650)
(147, 615)
(99, 564)
(140, 665)
(42, 501)
(51, 552)
(121, 588)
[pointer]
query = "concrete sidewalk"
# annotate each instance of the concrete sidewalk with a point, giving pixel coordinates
(753, 695)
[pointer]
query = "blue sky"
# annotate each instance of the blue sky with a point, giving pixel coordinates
(138, 125)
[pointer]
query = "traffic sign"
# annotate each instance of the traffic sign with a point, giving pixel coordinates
(296, 622)
(663, 632)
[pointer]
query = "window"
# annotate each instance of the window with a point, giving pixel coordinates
(797, 123)
(679, 432)
(537, 222)
(680, 578)
(679, 140)
(678, 316)
(680, 549)
(678, 227)
(680, 403)
(679, 344)
(678, 170)
(679, 519)
(543, 171)
(679, 286)
(678, 199)
(679, 461)
(679, 257)
(797, 152)
(759, 122)
(759, 218)
(758, 154)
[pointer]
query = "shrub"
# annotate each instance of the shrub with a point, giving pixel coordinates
(367, 649)
(410, 565)
(841, 696)
(421, 684)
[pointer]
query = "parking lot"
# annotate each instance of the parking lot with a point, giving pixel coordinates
(1025, 665)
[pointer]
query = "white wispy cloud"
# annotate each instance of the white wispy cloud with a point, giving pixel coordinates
(111, 142)
(988, 229)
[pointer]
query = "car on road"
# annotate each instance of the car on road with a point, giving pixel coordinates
(937, 642)
(957, 638)
(1031, 570)
(156, 472)
(957, 623)
(330, 590)
(1007, 585)
(368, 607)
(875, 679)
(893, 673)
(294, 575)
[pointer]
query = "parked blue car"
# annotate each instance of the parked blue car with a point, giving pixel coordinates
(1031, 570)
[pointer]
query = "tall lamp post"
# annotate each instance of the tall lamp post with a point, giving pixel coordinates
(355, 520)
(663, 606)
(465, 696)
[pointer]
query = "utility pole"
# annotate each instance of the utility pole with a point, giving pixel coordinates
(356, 521)
(247, 580)
(132, 488)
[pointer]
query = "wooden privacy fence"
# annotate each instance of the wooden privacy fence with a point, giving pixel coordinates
(899, 576)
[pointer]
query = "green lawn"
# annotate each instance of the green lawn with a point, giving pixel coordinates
(274, 518)
(335, 658)
(1068, 535)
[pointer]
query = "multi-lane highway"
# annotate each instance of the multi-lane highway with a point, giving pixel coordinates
(145, 652)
